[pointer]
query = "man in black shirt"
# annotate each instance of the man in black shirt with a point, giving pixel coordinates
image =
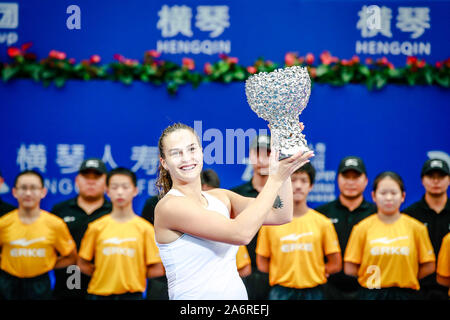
(257, 283)
(434, 211)
(4, 206)
(89, 205)
(347, 210)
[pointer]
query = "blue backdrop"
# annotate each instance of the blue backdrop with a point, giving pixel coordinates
(51, 129)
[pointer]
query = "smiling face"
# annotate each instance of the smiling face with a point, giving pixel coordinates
(183, 156)
(388, 196)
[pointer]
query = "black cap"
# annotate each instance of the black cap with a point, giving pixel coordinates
(93, 164)
(261, 142)
(352, 163)
(435, 165)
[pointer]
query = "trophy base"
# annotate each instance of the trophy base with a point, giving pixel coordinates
(290, 152)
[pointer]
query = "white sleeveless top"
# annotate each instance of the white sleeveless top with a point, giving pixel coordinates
(200, 269)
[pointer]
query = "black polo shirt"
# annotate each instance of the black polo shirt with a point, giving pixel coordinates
(247, 190)
(77, 221)
(148, 212)
(5, 207)
(343, 220)
(438, 224)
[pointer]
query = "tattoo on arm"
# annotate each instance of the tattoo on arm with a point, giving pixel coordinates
(278, 204)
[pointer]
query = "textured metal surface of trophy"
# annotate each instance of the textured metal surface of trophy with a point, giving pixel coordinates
(279, 97)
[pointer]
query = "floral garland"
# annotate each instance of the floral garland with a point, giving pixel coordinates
(375, 74)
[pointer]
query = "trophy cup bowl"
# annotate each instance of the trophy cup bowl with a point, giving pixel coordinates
(279, 97)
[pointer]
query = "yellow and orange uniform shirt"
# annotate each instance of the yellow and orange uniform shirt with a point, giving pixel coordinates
(242, 257)
(297, 250)
(29, 250)
(122, 251)
(443, 264)
(395, 249)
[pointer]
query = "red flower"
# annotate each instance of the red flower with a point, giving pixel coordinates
(309, 58)
(95, 58)
(251, 69)
(154, 53)
(207, 68)
(346, 62)
(130, 62)
(26, 46)
(369, 61)
(391, 66)
(119, 57)
(355, 59)
(223, 56)
(232, 60)
(421, 64)
(313, 72)
(411, 60)
(290, 58)
(72, 60)
(438, 64)
(327, 58)
(14, 52)
(188, 63)
(384, 61)
(57, 55)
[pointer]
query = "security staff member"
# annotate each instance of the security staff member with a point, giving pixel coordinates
(434, 211)
(89, 205)
(347, 210)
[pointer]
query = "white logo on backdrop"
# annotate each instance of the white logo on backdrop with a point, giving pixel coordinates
(412, 20)
(177, 21)
(9, 19)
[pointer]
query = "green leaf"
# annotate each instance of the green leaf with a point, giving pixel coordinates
(394, 73)
(428, 76)
(126, 80)
(321, 70)
(8, 73)
(59, 82)
(443, 81)
(227, 78)
(347, 76)
(380, 81)
(365, 71)
(47, 74)
(239, 75)
(411, 78)
(223, 66)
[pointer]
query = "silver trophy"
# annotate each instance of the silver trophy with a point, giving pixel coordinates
(279, 97)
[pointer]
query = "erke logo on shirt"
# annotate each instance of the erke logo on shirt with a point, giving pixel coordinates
(389, 250)
(289, 247)
(24, 252)
(24, 243)
(118, 250)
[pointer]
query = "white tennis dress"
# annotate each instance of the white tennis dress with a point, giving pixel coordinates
(200, 269)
